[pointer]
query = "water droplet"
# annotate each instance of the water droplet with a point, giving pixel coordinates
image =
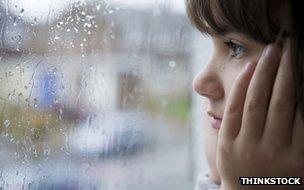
(35, 102)
(89, 17)
(33, 130)
(21, 11)
(172, 64)
(35, 153)
(98, 7)
(9, 96)
(46, 151)
(87, 25)
(6, 123)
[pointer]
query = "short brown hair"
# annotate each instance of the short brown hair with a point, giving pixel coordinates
(257, 20)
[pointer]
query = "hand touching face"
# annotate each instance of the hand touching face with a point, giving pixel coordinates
(232, 52)
(262, 129)
(266, 117)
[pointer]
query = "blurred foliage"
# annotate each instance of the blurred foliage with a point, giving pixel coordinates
(25, 123)
(176, 109)
(32, 131)
(179, 109)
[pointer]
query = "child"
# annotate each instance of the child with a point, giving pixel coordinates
(254, 86)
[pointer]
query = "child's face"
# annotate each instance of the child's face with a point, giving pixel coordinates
(231, 53)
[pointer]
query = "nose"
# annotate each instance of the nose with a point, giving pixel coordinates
(207, 83)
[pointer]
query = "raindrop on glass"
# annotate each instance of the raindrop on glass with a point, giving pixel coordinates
(172, 64)
(21, 11)
(6, 123)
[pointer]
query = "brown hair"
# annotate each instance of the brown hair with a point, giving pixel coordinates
(261, 20)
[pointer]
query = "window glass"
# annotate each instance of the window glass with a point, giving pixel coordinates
(95, 95)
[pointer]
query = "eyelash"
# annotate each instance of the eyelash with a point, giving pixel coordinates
(236, 49)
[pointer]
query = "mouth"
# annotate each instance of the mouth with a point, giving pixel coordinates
(215, 120)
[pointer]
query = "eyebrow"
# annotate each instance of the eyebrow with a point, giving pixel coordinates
(235, 33)
(223, 29)
(225, 33)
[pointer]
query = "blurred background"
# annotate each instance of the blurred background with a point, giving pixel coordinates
(96, 94)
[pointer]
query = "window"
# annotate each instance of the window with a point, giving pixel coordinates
(95, 95)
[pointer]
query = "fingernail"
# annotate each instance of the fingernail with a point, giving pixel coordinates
(286, 52)
(249, 68)
(286, 45)
(272, 51)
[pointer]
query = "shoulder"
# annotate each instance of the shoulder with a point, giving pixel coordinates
(205, 183)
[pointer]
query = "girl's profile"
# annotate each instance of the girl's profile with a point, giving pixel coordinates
(253, 82)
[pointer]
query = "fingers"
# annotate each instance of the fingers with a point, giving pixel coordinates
(278, 128)
(259, 92)
(232, 119)
(298, 131)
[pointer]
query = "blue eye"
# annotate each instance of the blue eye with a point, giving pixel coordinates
(237, 49)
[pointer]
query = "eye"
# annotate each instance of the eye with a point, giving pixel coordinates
(236, 48)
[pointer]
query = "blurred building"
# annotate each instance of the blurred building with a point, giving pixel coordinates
(104, 59)
(95, 57)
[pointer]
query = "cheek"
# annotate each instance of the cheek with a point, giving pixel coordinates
(231, 71)
(210, 138)
(229, 76)
(233, 67)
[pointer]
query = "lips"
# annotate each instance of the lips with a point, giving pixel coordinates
(215, 120)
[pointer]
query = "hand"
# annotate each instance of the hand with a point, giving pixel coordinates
(262, 132)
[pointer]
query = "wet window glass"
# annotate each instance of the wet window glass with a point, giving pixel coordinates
(96, 94)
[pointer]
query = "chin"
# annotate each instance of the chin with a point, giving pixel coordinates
(210, 146)
(210, 153)
(215, 177)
